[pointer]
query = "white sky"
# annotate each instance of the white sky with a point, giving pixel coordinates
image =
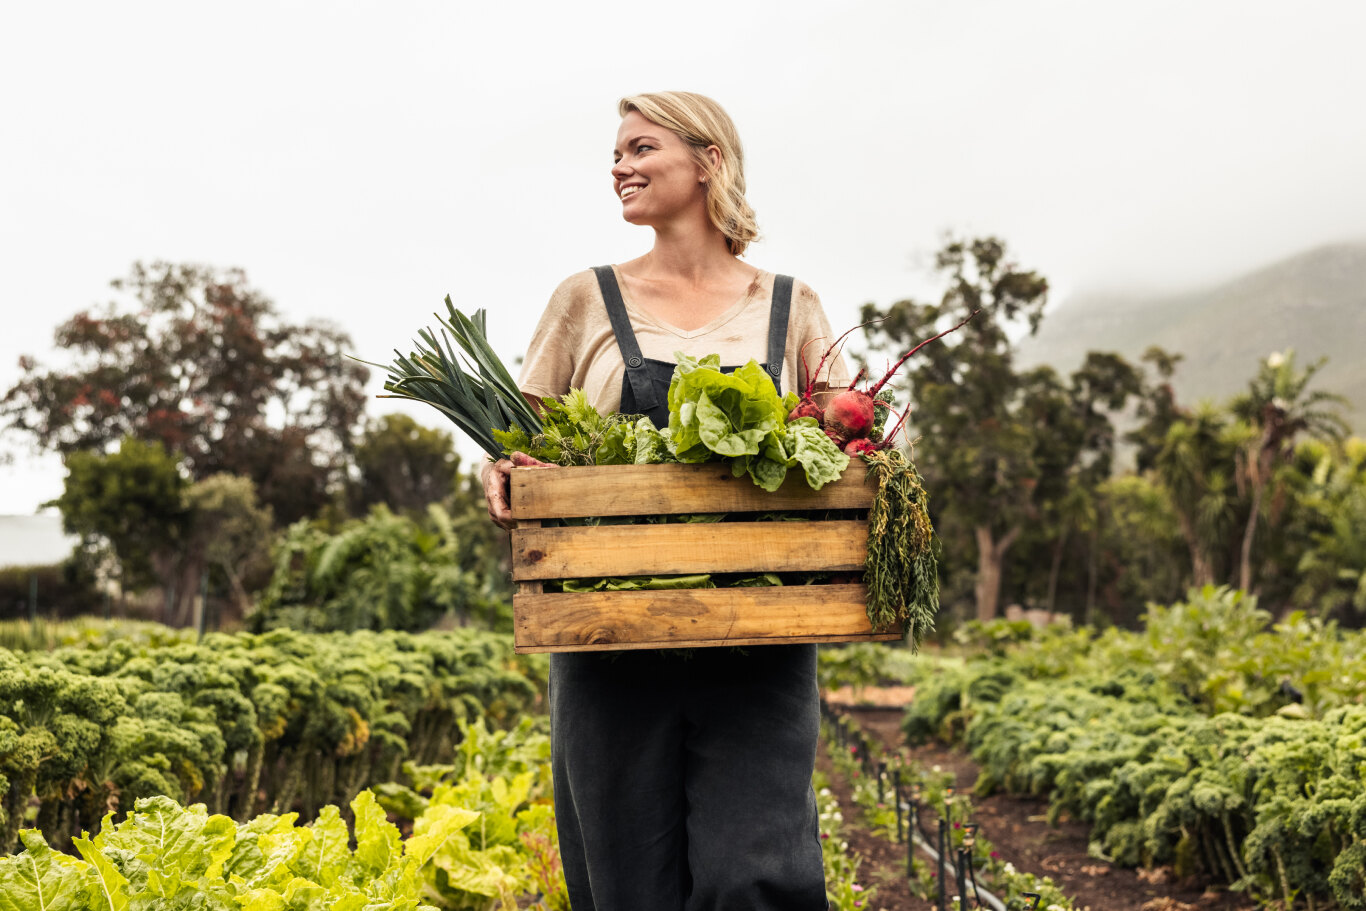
(361, 161)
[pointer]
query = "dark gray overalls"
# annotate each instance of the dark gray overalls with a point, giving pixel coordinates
(683, 783)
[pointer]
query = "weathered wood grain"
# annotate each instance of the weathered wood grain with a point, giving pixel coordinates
(662, 550)
(646, 490)
(599, 621)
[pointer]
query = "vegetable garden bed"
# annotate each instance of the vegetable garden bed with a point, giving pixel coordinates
(742, 534)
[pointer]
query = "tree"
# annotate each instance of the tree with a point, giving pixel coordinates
(976, 450)
(403, 465)
(1278, 407)
(1331, 568)
(203, 364)
(133, 499)
(1195, 464)
(229, 529)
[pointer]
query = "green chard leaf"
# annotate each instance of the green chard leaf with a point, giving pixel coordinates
(40, 877)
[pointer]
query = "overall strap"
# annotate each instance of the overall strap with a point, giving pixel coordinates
(636, 374)
(777, 328)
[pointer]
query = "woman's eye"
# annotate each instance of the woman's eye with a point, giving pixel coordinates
(643, 146)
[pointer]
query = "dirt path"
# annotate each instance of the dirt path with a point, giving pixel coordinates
(1018, 829)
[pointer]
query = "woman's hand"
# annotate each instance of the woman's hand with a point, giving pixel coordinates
(496, 477)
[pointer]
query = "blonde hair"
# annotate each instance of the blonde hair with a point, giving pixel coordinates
(701, 122)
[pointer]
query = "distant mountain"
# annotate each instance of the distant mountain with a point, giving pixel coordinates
(1314, 302)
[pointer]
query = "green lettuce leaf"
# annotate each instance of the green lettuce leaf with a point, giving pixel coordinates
(40, 877)
(808, 446)
(741, 418)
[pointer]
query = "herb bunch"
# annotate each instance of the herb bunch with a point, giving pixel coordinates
(902, 568)
(572, 431)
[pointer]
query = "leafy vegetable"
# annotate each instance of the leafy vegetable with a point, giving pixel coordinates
(573, 432)
(740, 417)
(477, 401)
(640, 443)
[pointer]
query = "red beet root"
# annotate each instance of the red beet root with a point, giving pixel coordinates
(858, 447)
(850, 415)
(807, 409)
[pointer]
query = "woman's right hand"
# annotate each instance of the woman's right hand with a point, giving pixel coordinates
(497, 477)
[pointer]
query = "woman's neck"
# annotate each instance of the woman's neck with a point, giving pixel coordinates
(688, 253)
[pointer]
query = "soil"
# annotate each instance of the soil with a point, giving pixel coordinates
(1018, 830)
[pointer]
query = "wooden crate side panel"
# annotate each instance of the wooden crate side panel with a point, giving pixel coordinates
(648, 490)
(693, 617)
(702, 643)
(662, 550)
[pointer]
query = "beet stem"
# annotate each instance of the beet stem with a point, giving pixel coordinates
(907, 356)
(806, 368)
(836, 344)
(887, 439)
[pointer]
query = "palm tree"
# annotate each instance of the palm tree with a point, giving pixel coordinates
(1278, 407)
(1192, 463)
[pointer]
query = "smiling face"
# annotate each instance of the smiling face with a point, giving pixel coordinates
(655, 174)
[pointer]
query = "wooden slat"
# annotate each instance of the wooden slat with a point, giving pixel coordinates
(600, 621)
(648, 490)
(663, 550)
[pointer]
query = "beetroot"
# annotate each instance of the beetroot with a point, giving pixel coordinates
(849, 416)
(807, 409)
(860, 446)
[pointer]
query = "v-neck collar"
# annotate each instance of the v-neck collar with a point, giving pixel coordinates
(726, 316)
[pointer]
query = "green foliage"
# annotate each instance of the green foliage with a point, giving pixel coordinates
(383, 572)
(511, 847)
(403, 465)
(166, 857)
(1214, 740)
(1139, 539)
(842, 887)
(201, 363)
(86, 632)
(483, 399)
(933, 796)
(740, 417)
(304, 718)
(1001, 447)
(634, 444)
(574, 433)
(229, 530)
(133, 498)
(902, 569)
(1331, 567)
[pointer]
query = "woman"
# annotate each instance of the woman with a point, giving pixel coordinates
(680, 782)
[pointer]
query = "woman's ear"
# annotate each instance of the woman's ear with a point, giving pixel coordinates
(714, 156)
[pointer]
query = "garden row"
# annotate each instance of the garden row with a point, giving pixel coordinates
(1211, 742)
(475, 834)
(934, 825)
(242, 723)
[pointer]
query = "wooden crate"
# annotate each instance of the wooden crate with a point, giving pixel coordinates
(600, 621)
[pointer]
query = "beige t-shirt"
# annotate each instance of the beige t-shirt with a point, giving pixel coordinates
(574, 346)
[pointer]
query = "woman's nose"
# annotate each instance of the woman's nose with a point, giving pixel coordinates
(621, 170)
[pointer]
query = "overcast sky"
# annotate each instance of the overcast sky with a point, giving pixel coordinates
(361, 161)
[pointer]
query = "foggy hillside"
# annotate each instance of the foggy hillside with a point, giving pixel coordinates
(1314, 302)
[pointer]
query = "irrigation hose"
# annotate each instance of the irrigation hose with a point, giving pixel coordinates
(923, 845)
